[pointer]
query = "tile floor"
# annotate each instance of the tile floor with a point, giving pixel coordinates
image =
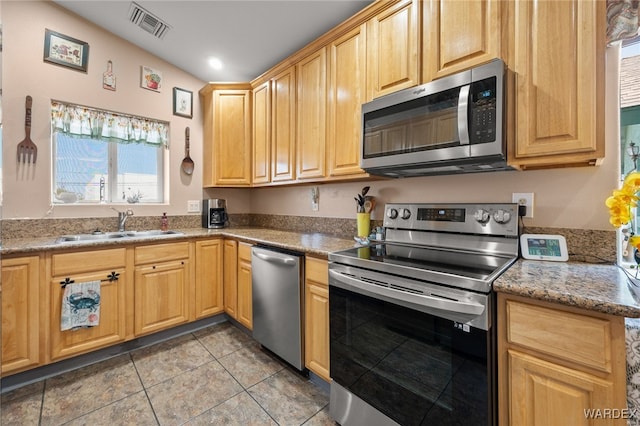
(218, 375)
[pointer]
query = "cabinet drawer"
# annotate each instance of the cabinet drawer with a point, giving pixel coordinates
(161, 252)
(579, 339)
(244, 251)
(87, 261)
(317, 270)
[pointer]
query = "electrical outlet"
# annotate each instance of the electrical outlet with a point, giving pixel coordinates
(524, 199)
(315, 198)
(193, 206)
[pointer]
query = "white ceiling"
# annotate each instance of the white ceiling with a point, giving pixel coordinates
(249, 37)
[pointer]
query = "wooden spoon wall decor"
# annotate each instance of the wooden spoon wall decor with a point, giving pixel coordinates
(187, 163)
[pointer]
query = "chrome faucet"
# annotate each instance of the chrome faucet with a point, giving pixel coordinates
(122, 218)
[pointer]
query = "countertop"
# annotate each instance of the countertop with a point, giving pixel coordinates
(314, 244)
(594, 287)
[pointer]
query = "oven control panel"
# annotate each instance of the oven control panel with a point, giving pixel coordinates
(490, 218)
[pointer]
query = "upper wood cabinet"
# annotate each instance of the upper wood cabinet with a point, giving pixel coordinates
(227, 135)
(346, 94)
(21, 314)
(283, 126)
(261, 134)
(459, 34)
(392, 49)
(557, 57)
(312, 113)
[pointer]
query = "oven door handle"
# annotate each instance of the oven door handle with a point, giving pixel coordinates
(353, 284)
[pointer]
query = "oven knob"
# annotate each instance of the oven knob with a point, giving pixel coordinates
(406, 214)
(481, 216)
(501, 216)
(392, 213)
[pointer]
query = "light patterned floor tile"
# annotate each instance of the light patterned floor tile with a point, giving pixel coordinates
(166, 360)
(289, 398)
(192, 393)
(223, 339)
(133, 410)
(250, 365)
(79, 392)
(22, 406)
(322, 418)
(241, 410)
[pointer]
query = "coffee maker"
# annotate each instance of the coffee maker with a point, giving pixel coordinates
(214, 213)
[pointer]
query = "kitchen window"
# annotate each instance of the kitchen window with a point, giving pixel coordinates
(105, 157)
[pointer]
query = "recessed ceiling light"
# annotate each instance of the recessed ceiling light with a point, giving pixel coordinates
(215, 63)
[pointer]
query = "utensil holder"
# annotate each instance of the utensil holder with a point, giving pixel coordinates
(364, 224)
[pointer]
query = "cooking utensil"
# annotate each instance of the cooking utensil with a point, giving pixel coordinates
(187, 163)
(27, 150)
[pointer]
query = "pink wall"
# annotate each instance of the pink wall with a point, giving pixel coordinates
(564, 198)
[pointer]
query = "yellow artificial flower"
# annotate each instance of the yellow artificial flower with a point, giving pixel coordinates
(635, 241)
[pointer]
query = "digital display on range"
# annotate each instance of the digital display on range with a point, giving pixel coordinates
(442, 215)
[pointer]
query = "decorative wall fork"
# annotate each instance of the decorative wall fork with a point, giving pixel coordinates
(27, 150)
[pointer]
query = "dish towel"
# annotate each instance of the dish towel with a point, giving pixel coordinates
(80, 305)
(632, 337)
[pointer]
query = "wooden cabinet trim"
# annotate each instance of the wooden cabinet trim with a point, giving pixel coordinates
(161, 252)
(78, 262)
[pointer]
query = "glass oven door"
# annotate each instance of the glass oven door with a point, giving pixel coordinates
(415, 367)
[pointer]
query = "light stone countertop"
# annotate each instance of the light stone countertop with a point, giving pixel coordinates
(594, 287)
(314, 244)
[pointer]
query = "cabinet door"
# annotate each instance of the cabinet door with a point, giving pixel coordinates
(262, 134)
(20, 313)
(312, 112)
(347, 76)
(208, 283)
(559, 104)
(546, 394)
(110, 330)
(230, 278)
(230, 130)
(245, 302)
(459, 35)
(283, 126)
(316, 352)
(161, 296)
(392, 49)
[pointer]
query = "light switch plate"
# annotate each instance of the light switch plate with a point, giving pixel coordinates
(193, 206)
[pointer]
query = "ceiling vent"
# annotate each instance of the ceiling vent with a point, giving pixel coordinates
(147, 21)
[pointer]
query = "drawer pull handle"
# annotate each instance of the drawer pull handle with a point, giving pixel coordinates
(113, 276)
(66, 281)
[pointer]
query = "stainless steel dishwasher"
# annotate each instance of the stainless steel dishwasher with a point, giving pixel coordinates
(277, 302)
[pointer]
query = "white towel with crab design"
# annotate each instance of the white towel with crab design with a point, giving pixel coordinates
(80, 305)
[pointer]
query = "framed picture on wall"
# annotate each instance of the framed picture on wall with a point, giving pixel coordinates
(182, 102)
(63, 50)
(150, 79)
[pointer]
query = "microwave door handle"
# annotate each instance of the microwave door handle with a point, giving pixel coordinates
(463, 114)
(389, 294)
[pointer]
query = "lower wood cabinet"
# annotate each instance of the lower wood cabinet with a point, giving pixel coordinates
(245, 294)
(238, 302)
(21, 314)
(557, 362)
(208, 294)
(316, 317)
(161, 287)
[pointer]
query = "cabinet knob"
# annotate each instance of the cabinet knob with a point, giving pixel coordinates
(113, 276)
(66, 281)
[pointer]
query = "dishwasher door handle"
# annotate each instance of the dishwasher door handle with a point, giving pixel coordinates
(290, 261)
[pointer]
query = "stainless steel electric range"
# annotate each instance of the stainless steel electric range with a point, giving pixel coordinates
(412, 319)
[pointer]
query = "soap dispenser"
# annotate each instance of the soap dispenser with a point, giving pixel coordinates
(164, 222)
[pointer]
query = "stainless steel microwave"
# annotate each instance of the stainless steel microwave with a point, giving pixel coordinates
(452, 125)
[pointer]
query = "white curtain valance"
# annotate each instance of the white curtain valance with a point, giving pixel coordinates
(85, 122)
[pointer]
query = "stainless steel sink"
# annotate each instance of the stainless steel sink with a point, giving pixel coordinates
(102, 236)
(152, 233)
